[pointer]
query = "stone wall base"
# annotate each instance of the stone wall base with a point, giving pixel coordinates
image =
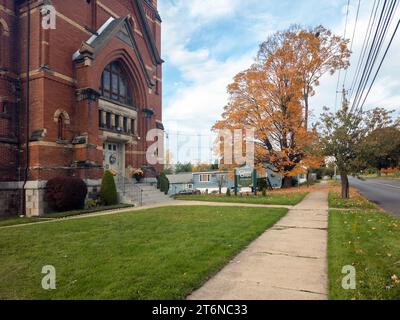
(10, 197)
(10, 202)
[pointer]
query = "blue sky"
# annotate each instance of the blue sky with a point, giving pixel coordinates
(205, 43)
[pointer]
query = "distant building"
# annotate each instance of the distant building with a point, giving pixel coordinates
(180, 182)
(211, 181)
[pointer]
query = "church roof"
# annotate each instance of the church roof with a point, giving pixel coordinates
(120, 28)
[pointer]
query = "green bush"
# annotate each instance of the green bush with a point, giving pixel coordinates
(262, 183)
(228, 192)
(108, 192)
(163, 182)
(65, 193)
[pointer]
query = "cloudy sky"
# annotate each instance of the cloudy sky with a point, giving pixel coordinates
(207, 42)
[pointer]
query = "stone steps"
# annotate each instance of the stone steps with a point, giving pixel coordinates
(141, 194)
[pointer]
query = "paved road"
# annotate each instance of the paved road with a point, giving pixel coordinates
(383, 192)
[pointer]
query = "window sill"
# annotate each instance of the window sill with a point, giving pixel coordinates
(117, 132)
(118, 103)
(64, 142)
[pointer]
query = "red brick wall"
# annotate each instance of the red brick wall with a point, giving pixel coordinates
(54, 79)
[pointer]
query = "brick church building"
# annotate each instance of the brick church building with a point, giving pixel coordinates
(80, 87)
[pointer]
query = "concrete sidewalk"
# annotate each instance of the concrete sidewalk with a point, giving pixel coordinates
(287, 262)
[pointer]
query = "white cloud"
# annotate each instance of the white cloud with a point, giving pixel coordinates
(200, 104)
(196, 99)
(211, 9)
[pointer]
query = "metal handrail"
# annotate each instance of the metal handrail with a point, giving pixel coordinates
(139, 193)
(136, 190)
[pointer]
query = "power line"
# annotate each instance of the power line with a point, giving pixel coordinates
(370, 59)
(352, 38)
(381, 63)
(385, 20)
(344, 36)
(367, 37)
(372, 54)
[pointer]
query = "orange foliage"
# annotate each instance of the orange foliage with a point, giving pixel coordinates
(389, 170)
(272, 96)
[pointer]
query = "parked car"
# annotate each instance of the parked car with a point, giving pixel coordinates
(186, 192)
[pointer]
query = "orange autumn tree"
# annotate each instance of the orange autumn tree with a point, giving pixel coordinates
(316, 51)
(270, 98)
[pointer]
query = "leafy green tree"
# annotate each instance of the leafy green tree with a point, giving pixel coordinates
(342, 131)
(344, 134)
(183, 167)
(381, 149)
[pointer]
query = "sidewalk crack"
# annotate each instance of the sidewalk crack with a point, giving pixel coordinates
(288, 255)
(282, 227)
(300, 290)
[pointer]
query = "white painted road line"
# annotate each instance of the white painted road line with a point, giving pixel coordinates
(387, 185)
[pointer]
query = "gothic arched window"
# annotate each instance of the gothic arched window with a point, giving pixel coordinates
(114, 84)
(60, 129)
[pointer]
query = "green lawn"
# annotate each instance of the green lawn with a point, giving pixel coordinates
(161, 253)
(11, 221)
(4, 222)
(87, 211)
(356, 201)
(370, 241)
(274, 199)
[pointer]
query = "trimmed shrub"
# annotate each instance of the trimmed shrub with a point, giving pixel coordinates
(228, 192)
(262, 183)
(163, 183)
(65, 193)
(108, 191)
(264, 192)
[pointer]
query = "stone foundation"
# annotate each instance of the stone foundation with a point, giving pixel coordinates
(34, 192)
(10, 202)
(93, 189)
(10, 197)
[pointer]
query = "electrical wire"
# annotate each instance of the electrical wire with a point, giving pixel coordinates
(344, 36)
(385, 21)
(352, 38)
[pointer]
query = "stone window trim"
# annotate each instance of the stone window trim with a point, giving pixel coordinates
(107, 121)
(58, 113)
(4, 29)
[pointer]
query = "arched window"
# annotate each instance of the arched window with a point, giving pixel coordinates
(114, 84)
(60, 131)
(4, 35)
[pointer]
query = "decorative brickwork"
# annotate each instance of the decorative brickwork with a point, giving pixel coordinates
(66, 135)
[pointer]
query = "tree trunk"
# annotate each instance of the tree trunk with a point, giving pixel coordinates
(378, 172)
(306, 111)
(287, 182)
(345, 185)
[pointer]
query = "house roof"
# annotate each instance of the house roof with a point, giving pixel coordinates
(211, 172)
(180, 178)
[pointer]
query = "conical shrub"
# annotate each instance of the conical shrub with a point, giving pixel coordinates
(108, 191)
